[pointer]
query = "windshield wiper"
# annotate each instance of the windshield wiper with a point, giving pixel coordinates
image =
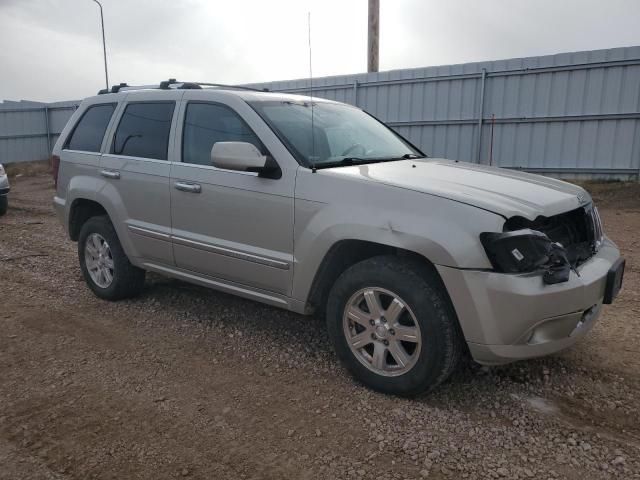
(354, 160)
(344, 162)
(357, 160)
(362, 161)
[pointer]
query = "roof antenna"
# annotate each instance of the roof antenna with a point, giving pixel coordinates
(313, 138)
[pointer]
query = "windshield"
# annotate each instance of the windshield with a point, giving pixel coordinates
(337, 134)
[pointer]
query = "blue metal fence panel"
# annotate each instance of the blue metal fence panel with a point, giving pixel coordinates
(29, 130)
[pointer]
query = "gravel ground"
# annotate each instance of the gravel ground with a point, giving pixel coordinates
(184, 382)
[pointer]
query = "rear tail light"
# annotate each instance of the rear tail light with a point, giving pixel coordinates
(55, 166)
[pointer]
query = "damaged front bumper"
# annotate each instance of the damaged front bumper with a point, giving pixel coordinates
(508, 317)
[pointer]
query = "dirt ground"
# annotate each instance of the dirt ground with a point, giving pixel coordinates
(185, 382)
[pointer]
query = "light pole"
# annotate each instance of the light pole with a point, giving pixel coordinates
(104, 45)
(373, 36)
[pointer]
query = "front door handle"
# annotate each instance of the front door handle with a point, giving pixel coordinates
(188, 187)
(110, 174)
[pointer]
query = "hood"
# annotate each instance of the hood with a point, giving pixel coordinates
(505, 192)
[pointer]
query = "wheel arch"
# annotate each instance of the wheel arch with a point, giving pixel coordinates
(81, 210)
(346, 253)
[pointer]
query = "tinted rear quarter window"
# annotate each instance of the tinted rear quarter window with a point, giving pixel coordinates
(206, 124)
(144, 130)
(89, 131)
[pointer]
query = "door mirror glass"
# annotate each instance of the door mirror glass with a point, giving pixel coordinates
(242, 156)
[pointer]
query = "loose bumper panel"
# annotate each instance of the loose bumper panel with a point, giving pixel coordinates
(506, 317)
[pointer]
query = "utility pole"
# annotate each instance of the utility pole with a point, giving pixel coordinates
(104, 45)
(373, 36)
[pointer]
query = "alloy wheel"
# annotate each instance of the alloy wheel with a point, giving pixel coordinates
(98, 260)
(382, 331)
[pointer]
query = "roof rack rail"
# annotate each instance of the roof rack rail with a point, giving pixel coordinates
(179, 85)
(190, 86)
(116, 88)
(239, 87)
(165, 84)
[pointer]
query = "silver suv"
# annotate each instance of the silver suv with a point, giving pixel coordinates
(315, 206)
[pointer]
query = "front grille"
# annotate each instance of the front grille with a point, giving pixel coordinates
(579, 231)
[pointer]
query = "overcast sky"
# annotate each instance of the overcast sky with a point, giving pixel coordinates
(51, 49)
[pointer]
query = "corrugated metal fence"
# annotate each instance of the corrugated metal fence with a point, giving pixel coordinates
(28, 132)
(572, 114)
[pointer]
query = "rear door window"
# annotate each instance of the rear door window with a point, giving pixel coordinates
(208, 123)
(144, 130)
(88, 134)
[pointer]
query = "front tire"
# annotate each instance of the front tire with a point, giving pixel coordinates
(105, 266)
(393, 326)
(4, 204)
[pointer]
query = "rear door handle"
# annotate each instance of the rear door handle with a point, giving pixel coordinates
(110, 174)
(188, 187)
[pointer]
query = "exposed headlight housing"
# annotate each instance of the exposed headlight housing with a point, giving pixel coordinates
(526, 251)
(596, 225)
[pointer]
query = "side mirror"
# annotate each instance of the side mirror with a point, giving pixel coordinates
(244, 157)
(240, 156)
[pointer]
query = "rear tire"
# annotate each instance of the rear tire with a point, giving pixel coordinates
(4, 204)
(105, 266)
(396, 306)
